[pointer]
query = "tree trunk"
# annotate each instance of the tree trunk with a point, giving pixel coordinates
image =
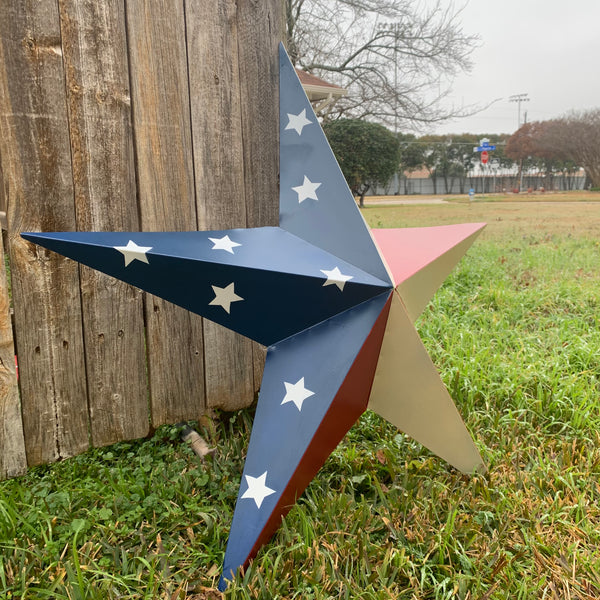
(592, 175)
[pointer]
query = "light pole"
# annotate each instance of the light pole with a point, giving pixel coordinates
(518, 98)
(395, 29)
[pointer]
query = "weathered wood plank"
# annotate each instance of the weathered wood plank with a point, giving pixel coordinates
(161, 103)
(36, 163)
(260, 28)
(219, 173)
(98, 99)
(2, 196)
(13, 461)
(3, 224)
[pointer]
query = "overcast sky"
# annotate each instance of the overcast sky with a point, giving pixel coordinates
(548, 49)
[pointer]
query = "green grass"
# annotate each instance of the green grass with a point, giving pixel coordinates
(515, 332)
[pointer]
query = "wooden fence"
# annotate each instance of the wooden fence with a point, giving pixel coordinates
(125, 115)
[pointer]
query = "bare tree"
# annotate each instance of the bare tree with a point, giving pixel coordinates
(579, 135)
(396, 57)
(574, 138)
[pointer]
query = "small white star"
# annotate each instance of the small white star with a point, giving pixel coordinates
(298, 122)
(257, 489)
(224, 243)
(133, 252)
(306, 190)
(224, 297)
(335, 277)
(296, 393)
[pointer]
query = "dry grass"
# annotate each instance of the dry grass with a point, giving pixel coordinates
(575, 196)
(503, 218)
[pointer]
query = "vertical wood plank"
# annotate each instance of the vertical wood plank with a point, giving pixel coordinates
(260, 29)
(36, 164)
(98, 99)
(2, 192)
(161, 111)
(12, 443)
(219, 173)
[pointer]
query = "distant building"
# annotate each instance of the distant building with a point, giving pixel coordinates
(320, 92)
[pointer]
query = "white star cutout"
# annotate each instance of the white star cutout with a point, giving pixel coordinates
(298, 122)
(224, 243)
(306, 190)
(335, 277)
(296, 393)
(133, 252)
(224, 297)
(257, 489)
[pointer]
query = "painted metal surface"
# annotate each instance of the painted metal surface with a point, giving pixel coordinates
(318, 292)
(408, 392)
(303, 412)
(420, 258)
(314, 200)
(270, 285)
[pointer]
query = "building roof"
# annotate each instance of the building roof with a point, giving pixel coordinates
(417, 174)
(313, 80)
(318, 89)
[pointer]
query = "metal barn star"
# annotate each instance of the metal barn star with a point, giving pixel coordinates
(334, 304)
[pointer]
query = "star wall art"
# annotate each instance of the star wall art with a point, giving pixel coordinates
(334, 303)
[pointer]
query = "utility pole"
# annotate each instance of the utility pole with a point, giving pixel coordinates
(518, 98)
(395, 29)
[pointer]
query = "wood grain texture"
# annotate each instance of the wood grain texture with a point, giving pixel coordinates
(13, 461)
(2, 193)
(36, 165)
(161, 111)
(98, 99)
(122, 115)
(219, 174)
(260, 28)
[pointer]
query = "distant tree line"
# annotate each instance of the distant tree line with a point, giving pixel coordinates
(449, 158)
(370, 155)
(560, 145)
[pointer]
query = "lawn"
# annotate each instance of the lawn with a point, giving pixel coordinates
(572, 196)
(515, 332)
